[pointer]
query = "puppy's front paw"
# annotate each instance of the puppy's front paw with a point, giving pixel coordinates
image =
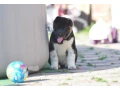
(54, 67)
(73, 67)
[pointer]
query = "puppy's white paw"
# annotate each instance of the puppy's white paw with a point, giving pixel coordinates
(73, 67)
(54, 67)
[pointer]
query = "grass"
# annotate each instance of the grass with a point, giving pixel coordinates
(116, 53)
(102, 57)
(79, 65)
(6, 82)
(53, 71)
(97, 79)
(91, 48)
(64, 83)
(46, 66)
(69, 78)
(83, 60)
(97, 53)
(114, 81)
(48, 71)
(84, 31)
(89, 64)
(81, 56)
(64, 70)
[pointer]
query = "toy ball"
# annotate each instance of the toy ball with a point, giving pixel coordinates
(17, 72)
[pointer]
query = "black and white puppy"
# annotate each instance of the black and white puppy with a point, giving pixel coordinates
(62, 47)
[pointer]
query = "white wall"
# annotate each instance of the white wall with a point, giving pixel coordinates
(115, 12)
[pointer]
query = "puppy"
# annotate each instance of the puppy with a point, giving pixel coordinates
(62, 47)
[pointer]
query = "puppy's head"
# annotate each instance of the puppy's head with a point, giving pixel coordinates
(62, 28)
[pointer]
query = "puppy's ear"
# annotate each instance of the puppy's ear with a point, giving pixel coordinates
(70, 22)
(57, 19)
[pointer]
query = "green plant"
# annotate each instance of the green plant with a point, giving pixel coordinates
(116, 53)
(97, 79)
(89, 64)
(97, 53)
(64, 70)
(48, 71)
(69, 78)
(63, 83)
(81, 56)
(91, 48)
(102, 57)
(114, 81)
(84, 31)
(83, 60)
(79, 65)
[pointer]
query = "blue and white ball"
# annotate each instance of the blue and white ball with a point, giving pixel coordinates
(17, 72)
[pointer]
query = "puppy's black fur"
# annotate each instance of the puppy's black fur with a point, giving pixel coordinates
(61, 28)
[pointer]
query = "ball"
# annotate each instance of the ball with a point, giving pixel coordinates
(17, 72)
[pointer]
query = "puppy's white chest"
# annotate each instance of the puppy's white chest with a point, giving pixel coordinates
(61, 48)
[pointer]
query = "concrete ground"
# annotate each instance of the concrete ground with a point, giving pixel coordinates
(98, 65)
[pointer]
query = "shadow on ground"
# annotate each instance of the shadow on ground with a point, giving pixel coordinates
(91, 58)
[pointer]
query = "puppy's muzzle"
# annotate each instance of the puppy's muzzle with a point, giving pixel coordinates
(59, 33)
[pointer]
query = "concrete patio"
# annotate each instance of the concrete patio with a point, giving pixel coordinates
(98, 65)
